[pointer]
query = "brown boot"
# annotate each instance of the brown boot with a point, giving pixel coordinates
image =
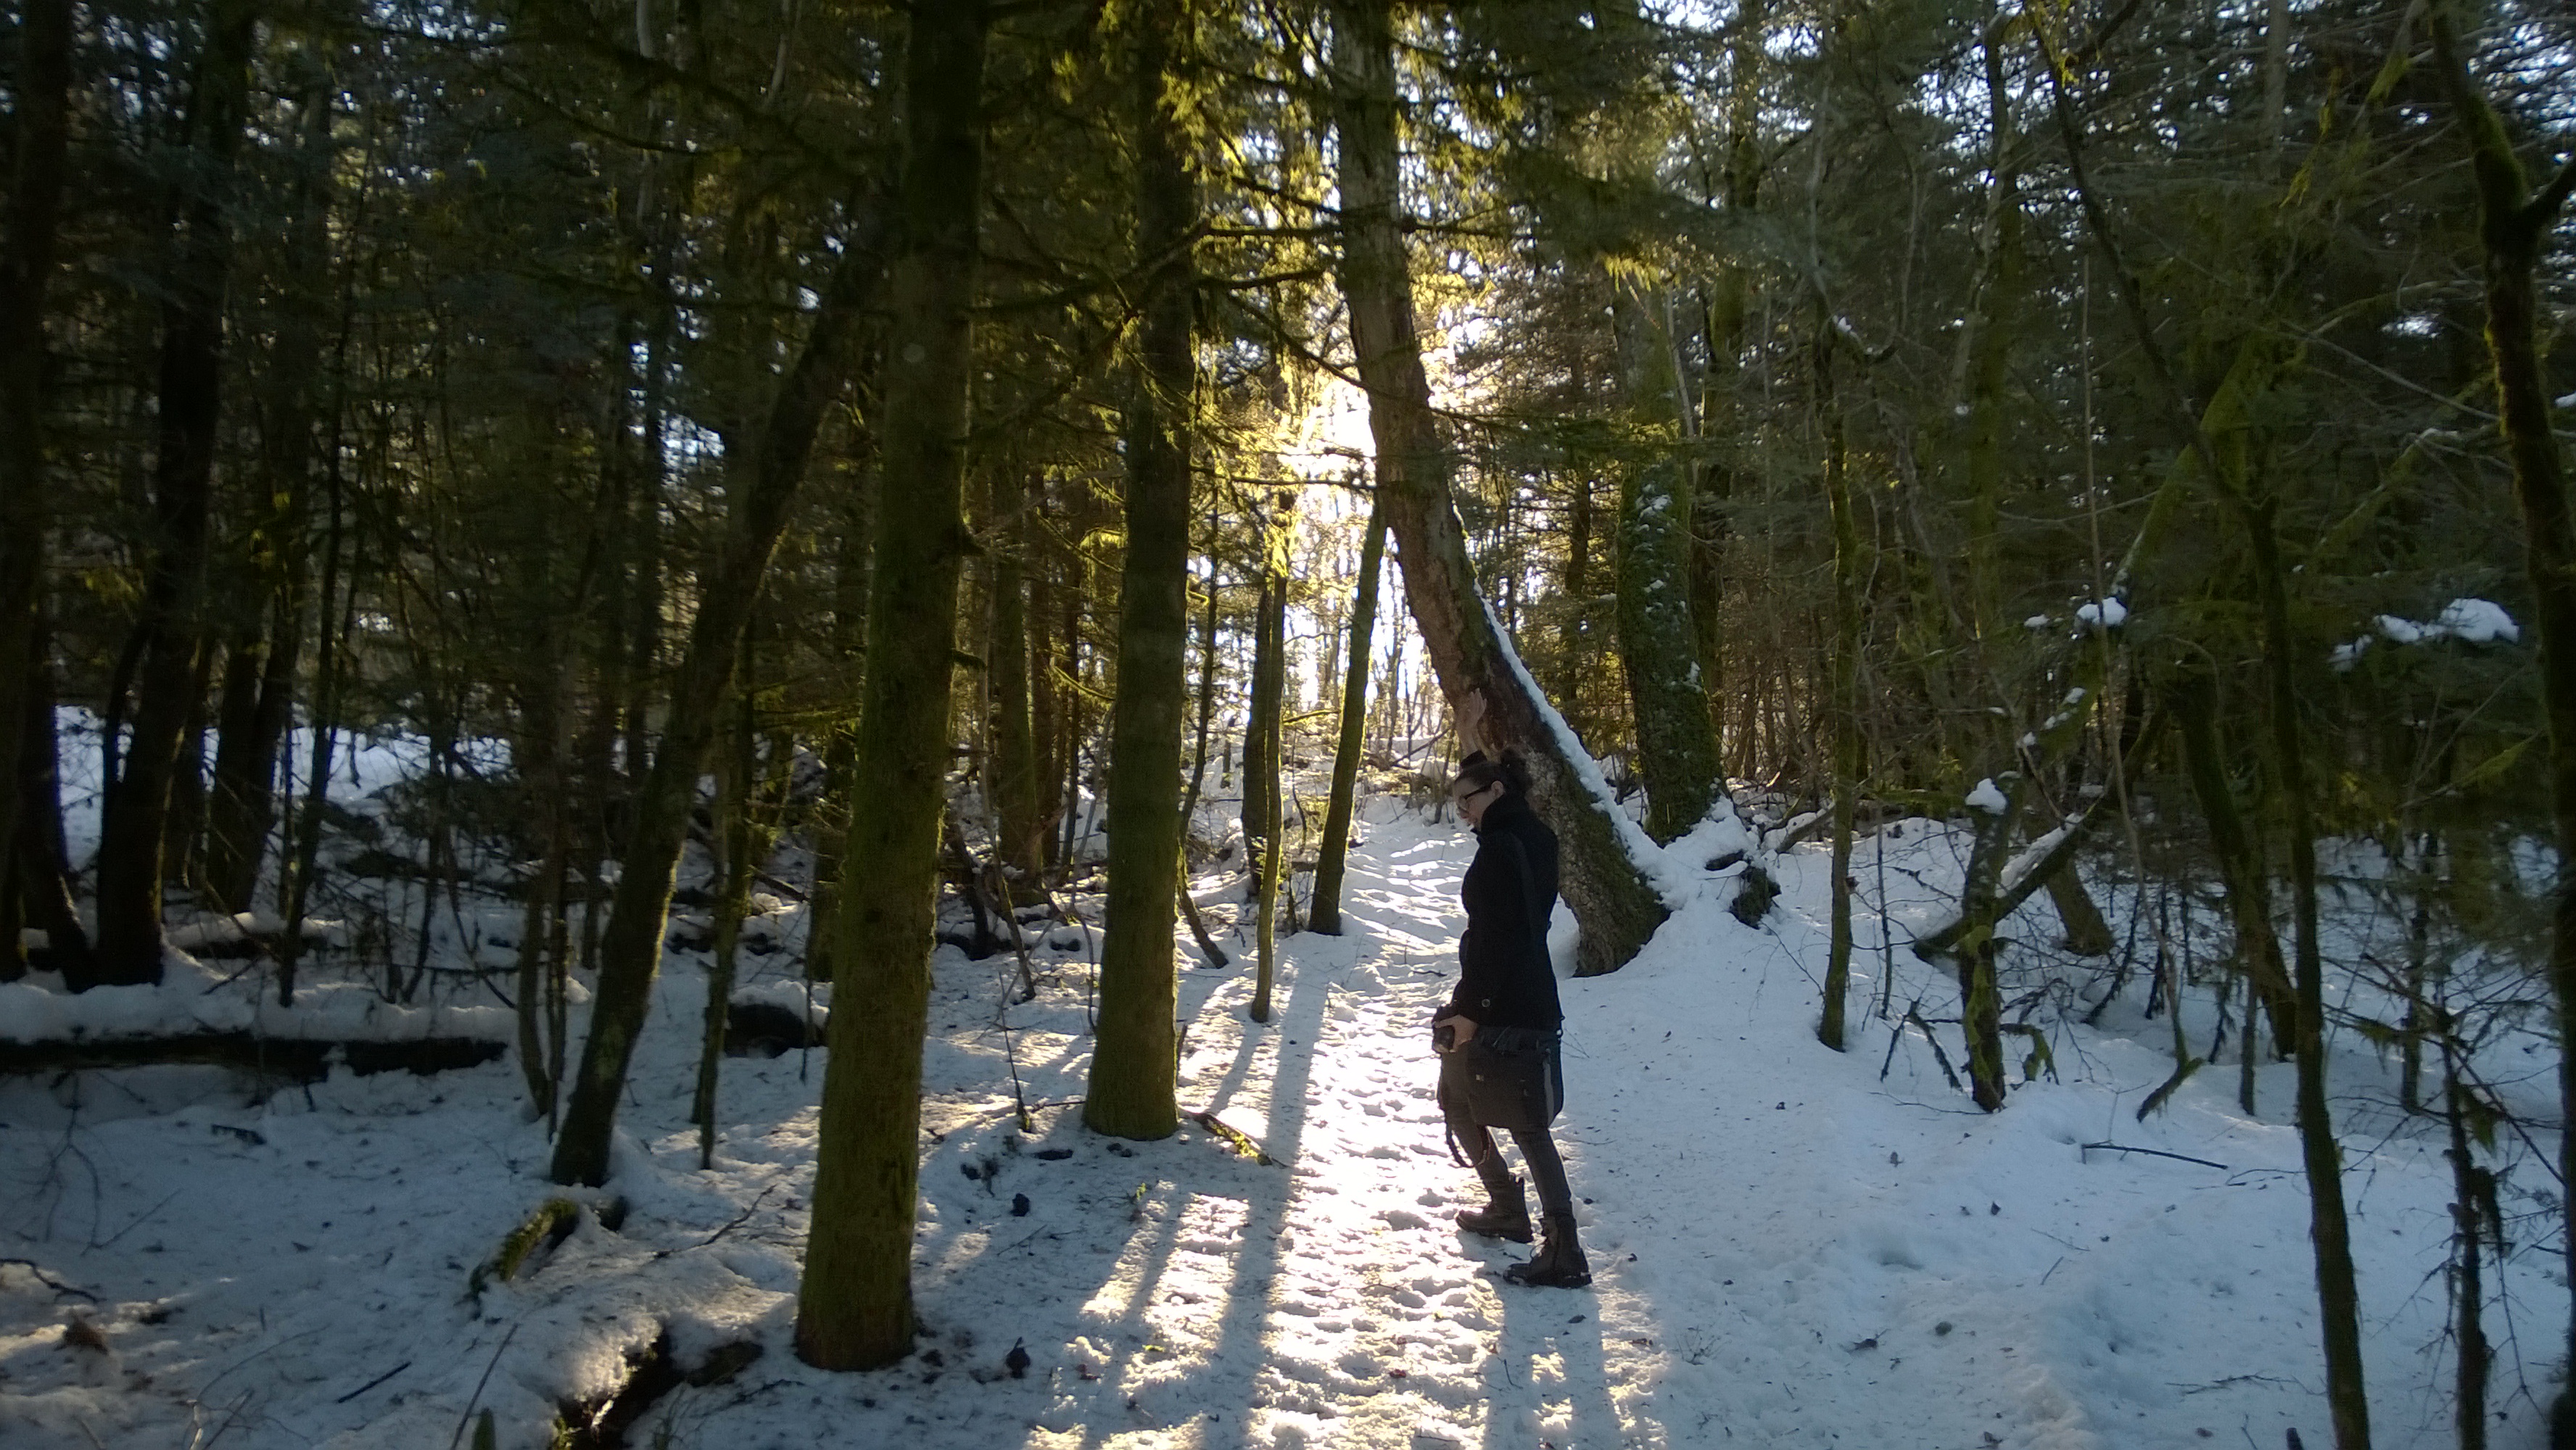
(1559, 1263)
(1505, 1214)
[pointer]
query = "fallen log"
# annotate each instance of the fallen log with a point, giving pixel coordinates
(293, 1059)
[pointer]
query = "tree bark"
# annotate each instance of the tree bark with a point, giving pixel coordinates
(854, 1306)
(1606, 887)
(1136, 1044)
(764, 485)
(169, 628)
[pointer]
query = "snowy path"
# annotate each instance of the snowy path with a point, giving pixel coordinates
(1788, 1250)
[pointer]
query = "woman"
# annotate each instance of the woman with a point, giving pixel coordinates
(1497, 1037)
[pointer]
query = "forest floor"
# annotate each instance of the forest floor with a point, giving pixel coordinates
(1791, 1246)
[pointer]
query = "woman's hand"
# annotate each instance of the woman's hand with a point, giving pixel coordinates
(1462, 1030)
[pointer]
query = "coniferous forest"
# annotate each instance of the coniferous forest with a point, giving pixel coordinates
(943, 476)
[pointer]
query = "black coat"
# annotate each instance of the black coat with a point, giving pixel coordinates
(1504, 977)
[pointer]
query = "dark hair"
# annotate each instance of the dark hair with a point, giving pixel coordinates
(1481, 770)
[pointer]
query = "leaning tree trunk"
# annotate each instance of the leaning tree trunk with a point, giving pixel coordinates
(2514, 222)
(1135, 1052)
(854, 1306)
(630, 950)
(41, 91)
(1326, 917)
(169, 628)
(1605, 880)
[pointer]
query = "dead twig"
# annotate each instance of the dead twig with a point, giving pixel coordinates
(49, 1281)
(489, 1365)
(2151, 1152)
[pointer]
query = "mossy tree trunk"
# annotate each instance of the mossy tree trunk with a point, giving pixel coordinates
(1618, 907)
(1659, 644)
(1136, 1049)
(854, 1304)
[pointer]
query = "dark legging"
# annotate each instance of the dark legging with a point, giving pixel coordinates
(1538, 1150)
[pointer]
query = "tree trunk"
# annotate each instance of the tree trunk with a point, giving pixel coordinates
(740, 848)
(169, 627)
(764, 481)
(300, 860)
(1136, 1044)
(43, 870)
(1573, 642)
(1843, 706)
(1018, 793)
(1993, 326)
(538, 752)
(830, 823)
(1603, 882)
(2240, 865)
(2514, 221)
(2473, 1203)
(2329, 1233)
(241, 808)
(854, 1306)
(1335, 853)
(1261, 767)
(258, 700)
(1658, 635)
(41, 92)
(1264, 702)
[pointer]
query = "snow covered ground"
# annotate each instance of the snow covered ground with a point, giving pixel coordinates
(1791, 1246)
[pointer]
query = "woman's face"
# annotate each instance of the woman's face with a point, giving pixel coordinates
(1472, 799)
